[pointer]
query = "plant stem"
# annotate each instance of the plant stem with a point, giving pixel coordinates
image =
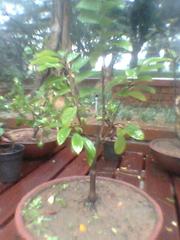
(92, 191)
(35, 132)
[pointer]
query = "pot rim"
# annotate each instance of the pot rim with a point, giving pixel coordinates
(52, 139)
(154, 148)
(25, 234)
(21, 149)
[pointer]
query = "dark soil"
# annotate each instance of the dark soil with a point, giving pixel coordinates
(167, 146)
(61, 213)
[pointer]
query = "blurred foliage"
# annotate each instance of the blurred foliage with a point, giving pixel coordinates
(25, 28)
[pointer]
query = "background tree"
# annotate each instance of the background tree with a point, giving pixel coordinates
(26, 26)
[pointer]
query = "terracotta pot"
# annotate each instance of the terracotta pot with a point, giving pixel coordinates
(167, 154)
(26, 234)
(32, 150)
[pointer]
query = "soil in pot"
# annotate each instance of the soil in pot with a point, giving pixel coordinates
(58, 210)
(32, 149)
(10, 162)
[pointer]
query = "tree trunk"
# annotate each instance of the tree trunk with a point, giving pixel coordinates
(60, 33)
(136, 45)
(134, 59)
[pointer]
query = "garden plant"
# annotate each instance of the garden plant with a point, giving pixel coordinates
(66, 71)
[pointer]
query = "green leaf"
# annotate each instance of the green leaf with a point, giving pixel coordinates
(148, 89)
(62, 90)
(72, 56)
(86, 91)
(79, 63)
(62, 135)
(155, 60)
(77, 143)
(149, 68)
(134, 131)
(89, 17)
(1, 131)
(120, 145)
(126, 45)
(90, 150)
(137, 95)
(120, 132)
(131, 73)
(45, 59)
(116, 81)
(83, 76)
(68, 116)
(92, 5)
(46, 53)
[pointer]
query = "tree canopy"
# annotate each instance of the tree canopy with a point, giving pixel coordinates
(26, 26)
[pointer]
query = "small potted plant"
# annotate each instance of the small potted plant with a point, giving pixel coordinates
(33, 111)
(11, 155)
(90, 207)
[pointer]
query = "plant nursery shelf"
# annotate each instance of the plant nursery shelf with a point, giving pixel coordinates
(137, 168)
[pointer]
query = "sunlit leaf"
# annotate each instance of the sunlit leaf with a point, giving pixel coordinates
(131, 73)
(120, 145)
(92, 5)
(137, 95)
(1, 131)
(134, 131)
(77, 143)
(86, 91)
(72, 56)
(83, 76)
(155, 60)
(68, 115)
(126, 45)
(79, 63)
(90, 150)
(148, 89)
(62, 135)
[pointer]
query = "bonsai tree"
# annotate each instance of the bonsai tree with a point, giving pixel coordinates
(69, 69)
(33, 110)
(67, 72)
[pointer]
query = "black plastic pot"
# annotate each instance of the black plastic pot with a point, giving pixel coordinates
(10, 162)
(109, 154)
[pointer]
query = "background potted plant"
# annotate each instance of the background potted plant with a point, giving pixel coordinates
(11, 155)
(33, 111)
(37, 213)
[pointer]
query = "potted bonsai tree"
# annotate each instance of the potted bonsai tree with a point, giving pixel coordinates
(10, 159)
(90, 207)
(33, 111)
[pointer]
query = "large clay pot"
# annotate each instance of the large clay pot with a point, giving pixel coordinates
(59, 209)
(166, 152)
(32, 150)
